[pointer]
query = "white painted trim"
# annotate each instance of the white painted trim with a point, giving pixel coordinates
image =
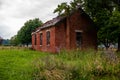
(33, 33)
(48, 45)
(48, 30)
(40, 32)
(37, 30)
(40, 45)
(78, 30)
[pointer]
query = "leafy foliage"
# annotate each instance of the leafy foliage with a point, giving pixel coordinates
(114, 23)
(14, 40)
(24, 34)
(63, 8)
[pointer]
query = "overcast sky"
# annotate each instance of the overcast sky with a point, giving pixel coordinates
(14, 13)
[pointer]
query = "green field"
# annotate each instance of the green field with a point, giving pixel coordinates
(25, 64)
(17, 64)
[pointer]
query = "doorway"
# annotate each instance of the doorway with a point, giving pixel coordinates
(78, 39)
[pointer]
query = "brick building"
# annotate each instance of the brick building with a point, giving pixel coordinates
(68, 32)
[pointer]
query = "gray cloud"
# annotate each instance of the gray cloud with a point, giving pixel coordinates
(13, 13)
(4, 28)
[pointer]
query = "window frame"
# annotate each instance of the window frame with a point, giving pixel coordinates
(35, 39)
(48, 37)
(79, 37)
(41, 39)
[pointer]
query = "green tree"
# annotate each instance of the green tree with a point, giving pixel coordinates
(114, 26)
(14, 40)
(90, 6)
(105, 15)
(101, 20)
(63, 9)
(24, 34)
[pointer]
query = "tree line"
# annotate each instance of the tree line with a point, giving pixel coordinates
(23, 36)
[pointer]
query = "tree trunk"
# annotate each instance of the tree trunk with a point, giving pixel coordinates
(107, 44)
(119, 42)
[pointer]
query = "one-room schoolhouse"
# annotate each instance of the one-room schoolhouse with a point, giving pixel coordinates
(75, 31)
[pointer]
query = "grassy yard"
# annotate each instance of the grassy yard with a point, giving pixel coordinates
(17, 64)
(24, 64)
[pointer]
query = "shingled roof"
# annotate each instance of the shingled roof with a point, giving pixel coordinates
(52, 22)
(55, 20)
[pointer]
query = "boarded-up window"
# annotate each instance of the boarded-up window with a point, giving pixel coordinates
(79, 39)
(48, 37)
(41, 36)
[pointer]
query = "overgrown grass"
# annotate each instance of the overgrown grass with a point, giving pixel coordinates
(78, 65)
(25, 64)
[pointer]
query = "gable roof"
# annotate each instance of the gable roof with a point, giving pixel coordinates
(57, 19)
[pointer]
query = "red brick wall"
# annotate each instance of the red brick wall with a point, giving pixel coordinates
(82, 22)
(68, 34)
(44, 46)
(60, 36)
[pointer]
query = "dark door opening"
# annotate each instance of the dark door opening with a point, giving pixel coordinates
(78, 39)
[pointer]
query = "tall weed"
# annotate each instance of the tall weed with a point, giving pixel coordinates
(77, 65)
